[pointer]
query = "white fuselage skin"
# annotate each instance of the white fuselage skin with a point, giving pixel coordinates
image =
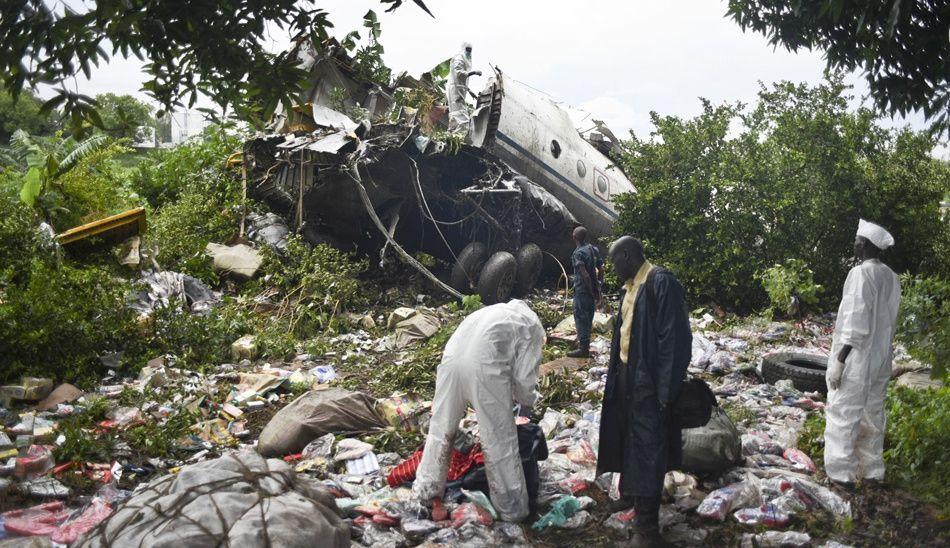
(538, 138)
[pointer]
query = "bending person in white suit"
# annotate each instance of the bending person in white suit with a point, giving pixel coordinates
(491, 362)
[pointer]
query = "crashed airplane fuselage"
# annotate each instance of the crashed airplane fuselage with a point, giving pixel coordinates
(537, 138)
(490, 205)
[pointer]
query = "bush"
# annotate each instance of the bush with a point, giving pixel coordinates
(165, 174)
(20, 240)
(924, 321)
(317, 283)
(782, 282)
(93, 189)
(59, 320)
(915, 446)
(735, 190)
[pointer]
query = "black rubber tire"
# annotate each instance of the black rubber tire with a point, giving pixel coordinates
(468, 266)
(529, 261)
(806, 371)
(497, 279)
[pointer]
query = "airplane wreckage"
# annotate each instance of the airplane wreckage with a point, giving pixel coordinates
(498, 203)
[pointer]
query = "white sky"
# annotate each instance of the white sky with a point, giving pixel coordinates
(616, 59)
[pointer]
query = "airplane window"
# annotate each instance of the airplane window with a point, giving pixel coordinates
(581, 169)
(555, 149)
(602, 184)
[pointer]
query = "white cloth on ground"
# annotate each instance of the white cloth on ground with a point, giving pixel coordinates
(867, 316)
(490, 362)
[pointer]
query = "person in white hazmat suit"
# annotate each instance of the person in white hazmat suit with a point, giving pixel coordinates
(456, 89)
(490, 363)
(859, 366)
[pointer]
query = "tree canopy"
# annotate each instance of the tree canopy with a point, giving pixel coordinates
(215, 47)
(903, 46)
(23, 114)
(736, 190)
(124, 116)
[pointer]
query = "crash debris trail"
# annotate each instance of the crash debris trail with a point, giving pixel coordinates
(253, 439)
(319, 450)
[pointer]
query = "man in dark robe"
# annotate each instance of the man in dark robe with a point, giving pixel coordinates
(649, 354)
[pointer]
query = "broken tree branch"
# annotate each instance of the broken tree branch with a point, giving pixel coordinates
(409, 259)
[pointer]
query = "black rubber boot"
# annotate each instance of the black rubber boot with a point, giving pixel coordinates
(579, 353)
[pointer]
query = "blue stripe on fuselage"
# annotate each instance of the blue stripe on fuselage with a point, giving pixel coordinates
(510, 142)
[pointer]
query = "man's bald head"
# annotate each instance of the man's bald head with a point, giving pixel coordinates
(626, 254)
(580, 235)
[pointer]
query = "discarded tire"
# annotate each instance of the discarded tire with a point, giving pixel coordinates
(497, 278)
(529, 268)
(806, 371)
(468, 266)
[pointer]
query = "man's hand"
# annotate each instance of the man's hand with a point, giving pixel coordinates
(600, 302)
(833, 375)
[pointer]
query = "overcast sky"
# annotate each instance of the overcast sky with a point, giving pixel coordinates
(617, 60)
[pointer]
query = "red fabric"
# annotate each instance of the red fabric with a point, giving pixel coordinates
(460, 464)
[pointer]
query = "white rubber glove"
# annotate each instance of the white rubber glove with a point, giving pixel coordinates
(833, 375)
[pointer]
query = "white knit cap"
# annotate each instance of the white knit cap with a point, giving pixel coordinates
(876, 234)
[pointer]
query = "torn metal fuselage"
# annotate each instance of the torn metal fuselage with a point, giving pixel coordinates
(522, 174)
(442, 199)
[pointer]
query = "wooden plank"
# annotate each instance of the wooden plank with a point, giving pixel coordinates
(131, 221)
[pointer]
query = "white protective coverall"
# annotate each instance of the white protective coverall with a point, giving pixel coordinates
(490, 363)
(456, 89)
(854, 431)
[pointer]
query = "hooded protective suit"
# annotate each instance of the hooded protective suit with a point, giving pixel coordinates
(854, 431)
(490, 362)
(456, 89)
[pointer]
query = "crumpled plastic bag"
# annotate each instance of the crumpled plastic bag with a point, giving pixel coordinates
(768, 515)
(469, 512)
(776, 539)
(720, 502)
(560, 511)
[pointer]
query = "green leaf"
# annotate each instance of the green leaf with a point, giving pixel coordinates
(32, 186)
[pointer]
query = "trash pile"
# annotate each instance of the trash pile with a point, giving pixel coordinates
(297, 434)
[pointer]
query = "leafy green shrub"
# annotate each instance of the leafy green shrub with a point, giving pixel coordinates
(924, 321)
(59, 320)
(915, 445)
(811, 439)
(207, 210)
(20, 240)
(93, 189)
(783, 281)
(317, 283)
(166, 173)
(735, 190)
(197, 341)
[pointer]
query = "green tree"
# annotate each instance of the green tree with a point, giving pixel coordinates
(901, 45)
(736, 190)
(23, 114)
(124, 116)
(48, 159)
(216, 47)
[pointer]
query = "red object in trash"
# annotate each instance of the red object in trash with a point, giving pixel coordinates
(37, 462)
(385, 520)
(470, 513)
(42, 519)
(438, 510)
(95, 513)
(461, 463)
(293, 458)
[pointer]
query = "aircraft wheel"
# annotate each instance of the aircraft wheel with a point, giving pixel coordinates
(497, 279)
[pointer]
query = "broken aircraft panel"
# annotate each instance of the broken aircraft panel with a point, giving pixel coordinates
(522, 181)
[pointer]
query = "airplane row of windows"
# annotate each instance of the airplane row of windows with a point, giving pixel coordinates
(601, 183)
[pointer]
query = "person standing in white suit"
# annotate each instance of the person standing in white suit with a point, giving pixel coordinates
(859, 366)
(490, 363)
